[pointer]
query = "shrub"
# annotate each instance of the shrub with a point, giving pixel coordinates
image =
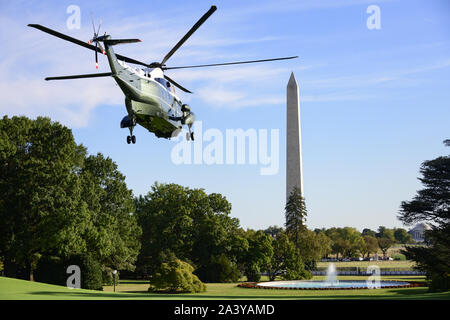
(220, 269)
(399, 257)
(52, 270)
(175, 276)
(253, 274)
(439, 282)
(91, 273)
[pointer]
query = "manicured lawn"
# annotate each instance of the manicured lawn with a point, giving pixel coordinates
(20, 289)
(364, 264)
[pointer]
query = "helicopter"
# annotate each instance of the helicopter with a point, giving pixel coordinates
(150, 97)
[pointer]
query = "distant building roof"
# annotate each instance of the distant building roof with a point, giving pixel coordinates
(417, 232)
(421, 227)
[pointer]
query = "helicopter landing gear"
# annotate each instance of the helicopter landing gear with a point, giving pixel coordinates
(190, 134)
(131, 139)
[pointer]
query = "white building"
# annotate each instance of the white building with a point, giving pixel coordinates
(418, 231)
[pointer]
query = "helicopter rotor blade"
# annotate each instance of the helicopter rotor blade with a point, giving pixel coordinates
(189, 33)
(101, 48)
(228, 63)
(92, 20)
(83, 43)
(81, 76)
(176, 84)
(96, 57)
(98, 30)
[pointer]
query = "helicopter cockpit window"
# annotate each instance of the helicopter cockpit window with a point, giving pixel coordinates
(161, 80)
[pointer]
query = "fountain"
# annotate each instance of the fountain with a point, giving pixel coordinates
(331, 279)
(330, 282)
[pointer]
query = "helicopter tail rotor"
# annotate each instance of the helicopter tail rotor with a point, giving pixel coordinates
(96, 38)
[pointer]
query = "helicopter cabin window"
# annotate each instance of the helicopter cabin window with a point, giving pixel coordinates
(161, 81)
(164, 82)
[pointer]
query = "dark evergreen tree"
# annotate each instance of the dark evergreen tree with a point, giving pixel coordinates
(295, 213)
(432, 204)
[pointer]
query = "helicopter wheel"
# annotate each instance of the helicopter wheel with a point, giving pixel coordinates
(192, 135)
(128, 139)
(133, 139)
(188, 136)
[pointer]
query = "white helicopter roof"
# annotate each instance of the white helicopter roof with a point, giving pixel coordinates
(155, 73)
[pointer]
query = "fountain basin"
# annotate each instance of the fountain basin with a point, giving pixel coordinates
(323, 285)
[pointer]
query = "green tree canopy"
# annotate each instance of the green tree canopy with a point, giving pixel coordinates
(386, 233)
(59, 202)
(258, 255)
(114, 235)
(273, 231)
(312, 247)
(368, 232)
(384, 244)
(402, 236)
(346, 241)
(40, 208)
(286, 260)
(191, 224)
(371, 245)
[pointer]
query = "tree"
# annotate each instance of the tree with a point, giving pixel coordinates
(286, 261)
(432, 204)
(59, 203)
(312, 247)
(273, 231)
(346, 241)
(41, 208)
(371, 245)
(384, 244)
(402, 236)
(219, 269)
(258, 255)
(193, 225)
(387, 233)
(113, 235)
(368, 232)
(295, 212)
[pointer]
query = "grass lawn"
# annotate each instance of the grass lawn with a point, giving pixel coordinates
(132, 289)
(364, 264)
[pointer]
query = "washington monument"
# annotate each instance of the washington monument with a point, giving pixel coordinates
(294, 174)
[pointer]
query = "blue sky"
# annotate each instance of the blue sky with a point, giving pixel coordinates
(374, 103)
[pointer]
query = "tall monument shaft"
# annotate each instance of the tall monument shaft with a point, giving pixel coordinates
(294, 174)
